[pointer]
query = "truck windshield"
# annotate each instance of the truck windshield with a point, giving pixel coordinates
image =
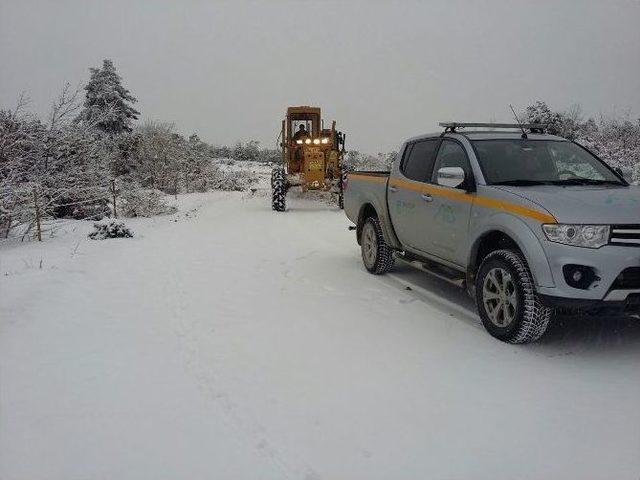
(540, 162)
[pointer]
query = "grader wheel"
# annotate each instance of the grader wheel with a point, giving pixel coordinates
(278, 189)
(341, 193)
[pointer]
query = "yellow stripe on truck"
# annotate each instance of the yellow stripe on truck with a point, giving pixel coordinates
(368, 178)
(459, 195)
(514, 208)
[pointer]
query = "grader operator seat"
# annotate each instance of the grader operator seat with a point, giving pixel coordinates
(301, 133)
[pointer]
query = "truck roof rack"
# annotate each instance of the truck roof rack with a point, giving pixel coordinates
(532, 127)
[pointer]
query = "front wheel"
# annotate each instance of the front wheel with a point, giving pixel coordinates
(377, 256)
(341, 193)
(278, 189)
(508, 304)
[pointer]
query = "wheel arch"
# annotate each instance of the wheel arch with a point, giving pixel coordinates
(367, 210)
(511, 235)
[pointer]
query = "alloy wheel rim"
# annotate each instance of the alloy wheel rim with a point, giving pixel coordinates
(499, 297)
(369, 245)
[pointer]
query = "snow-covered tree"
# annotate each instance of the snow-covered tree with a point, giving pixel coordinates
(249, 151)
(616, 139)
(157, 155)
(21, 149)
(565, 124)
(50, 170)
(108, 104)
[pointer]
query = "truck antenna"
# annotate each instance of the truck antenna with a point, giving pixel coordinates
(524, 134)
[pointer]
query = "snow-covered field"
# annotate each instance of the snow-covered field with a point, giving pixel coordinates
(227, 341)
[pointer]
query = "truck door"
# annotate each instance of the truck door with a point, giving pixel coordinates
(450, 207)
(408, 208)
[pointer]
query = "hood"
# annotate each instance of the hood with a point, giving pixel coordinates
(584, 204)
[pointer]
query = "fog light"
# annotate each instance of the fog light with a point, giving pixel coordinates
(579, 276)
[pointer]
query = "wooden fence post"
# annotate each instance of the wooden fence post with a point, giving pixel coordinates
(113, 196)
(37, 210)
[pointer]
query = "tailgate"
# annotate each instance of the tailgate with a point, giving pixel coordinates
(362, 188)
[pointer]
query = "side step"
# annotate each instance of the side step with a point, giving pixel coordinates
(438, 270)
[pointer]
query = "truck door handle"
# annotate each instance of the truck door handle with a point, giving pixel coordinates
(393, 189)
(426, 197)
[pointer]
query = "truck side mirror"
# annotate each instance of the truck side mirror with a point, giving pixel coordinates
(451, 177)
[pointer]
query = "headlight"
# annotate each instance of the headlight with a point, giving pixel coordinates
(588, 236)
(299, 142)
(316, 141)
(308, 141)
(325, 140)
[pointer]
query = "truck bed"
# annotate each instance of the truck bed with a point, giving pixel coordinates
(366, 188)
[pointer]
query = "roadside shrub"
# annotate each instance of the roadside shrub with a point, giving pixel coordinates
(137, 202)
(91, 210)
(238, 181)
(110, 229)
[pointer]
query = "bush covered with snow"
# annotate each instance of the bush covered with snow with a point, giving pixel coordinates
(139, 202)
(252, 152)
(356, 160)
(231, 180)
(110, 229)
(83, 210)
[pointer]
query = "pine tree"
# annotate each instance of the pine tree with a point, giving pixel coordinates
(107, 103)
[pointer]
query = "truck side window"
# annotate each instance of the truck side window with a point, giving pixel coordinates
(451, 154)
(418, 161)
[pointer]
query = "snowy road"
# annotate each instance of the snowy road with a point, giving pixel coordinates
(236, 343)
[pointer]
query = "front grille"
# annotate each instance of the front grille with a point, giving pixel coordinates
(627, 235)
(629, 279)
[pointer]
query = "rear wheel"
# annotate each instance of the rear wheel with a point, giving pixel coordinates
(278, 189)
(377, 256)
(508, 304)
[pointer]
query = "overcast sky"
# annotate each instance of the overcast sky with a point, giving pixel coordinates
(384, 70)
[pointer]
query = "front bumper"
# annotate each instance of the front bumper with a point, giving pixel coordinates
(608, 262)
(631, 304)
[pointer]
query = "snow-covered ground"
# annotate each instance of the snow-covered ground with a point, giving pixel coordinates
(228, 341)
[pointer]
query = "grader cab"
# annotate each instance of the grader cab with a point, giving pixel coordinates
(311, 156)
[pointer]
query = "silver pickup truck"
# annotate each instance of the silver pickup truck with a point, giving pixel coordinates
(527, 222)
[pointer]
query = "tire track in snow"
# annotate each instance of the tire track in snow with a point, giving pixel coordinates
(248, 430)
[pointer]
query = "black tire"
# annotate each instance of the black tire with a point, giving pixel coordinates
(341, 193)
(278, 189)
(512, 311)
(377, 256)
